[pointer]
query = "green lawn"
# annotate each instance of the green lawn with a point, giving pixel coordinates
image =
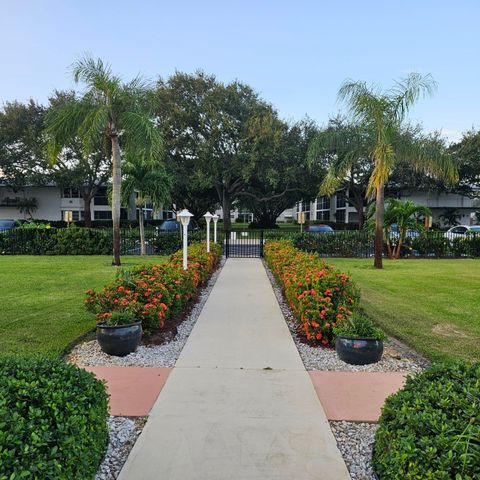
(431, 305)
(41, 299)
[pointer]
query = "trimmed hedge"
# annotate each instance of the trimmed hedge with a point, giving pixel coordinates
(88, 241)
(53, 420)
(319, 295)
(155, 293)
(431, 428)
(338, 244)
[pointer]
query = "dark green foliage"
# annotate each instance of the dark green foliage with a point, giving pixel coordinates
(360, 326)
(52, 420)
(166, 243)
(431, 428)
(52, 241)
(338, 244)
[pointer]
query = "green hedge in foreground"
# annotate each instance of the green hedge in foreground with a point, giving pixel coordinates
(53, 420)
(431, 428)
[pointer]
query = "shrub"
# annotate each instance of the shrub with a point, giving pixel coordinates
(155, 293)
(431, 428)
(359, 326)
(319, 295)
(338, 244)
(166, 243)
(52, 420)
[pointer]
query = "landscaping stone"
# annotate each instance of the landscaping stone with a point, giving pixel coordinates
(164, 355)
(355, 442)
(122, 435)
(396, 357)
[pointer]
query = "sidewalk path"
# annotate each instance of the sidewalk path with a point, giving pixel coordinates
(239, 403)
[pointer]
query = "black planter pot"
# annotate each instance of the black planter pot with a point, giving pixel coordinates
(358, 351)
(119, 340)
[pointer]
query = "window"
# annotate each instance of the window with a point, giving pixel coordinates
(340, 216)
(102, 215)
(323, 215)
(323, 208)
(341, 202)
(101, 198)
(71, 193)
(323, 203)
(76, 215)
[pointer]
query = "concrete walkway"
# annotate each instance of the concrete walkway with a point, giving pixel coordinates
(239, 403)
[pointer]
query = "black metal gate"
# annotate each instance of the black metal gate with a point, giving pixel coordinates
(244, 244)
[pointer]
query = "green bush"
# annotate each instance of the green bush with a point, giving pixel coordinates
(52, 420)
(338, 244)
(431, 428)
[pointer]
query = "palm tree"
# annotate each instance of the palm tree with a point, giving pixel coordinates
(342, 149)
(118, 112)
(404, 215)
(147, 178)
(383, 114)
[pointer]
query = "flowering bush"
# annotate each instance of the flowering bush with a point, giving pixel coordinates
(155, 293)
(319, 295)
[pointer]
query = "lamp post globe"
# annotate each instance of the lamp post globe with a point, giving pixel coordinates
(184, 216)
(208, 217)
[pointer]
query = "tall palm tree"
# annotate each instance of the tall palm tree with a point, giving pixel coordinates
(119, 112)
(383, 113)
(147, 178)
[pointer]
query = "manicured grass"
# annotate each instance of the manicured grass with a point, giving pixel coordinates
(431, 305)
(41, 299)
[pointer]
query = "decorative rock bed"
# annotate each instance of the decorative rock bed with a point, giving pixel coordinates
(164, 355)
(124, 431)
(354, 440)
(122, 435)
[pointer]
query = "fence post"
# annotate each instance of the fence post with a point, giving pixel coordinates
(261, 243)
(227, 243)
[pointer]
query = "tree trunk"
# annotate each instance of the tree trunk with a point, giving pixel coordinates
(87, 210)
(379, 214)
(116, 197)
(141, 224)
(361, 217)
(226, 206)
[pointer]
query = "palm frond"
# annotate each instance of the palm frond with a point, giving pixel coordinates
(93, 127)
(408, 91)
(140, 133)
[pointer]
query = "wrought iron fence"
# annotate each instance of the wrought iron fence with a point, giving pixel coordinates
(243, 243)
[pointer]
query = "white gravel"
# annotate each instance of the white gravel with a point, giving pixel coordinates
(124, 431)
(165, 355)
(396, 358)
(355, 442)
(122, 435)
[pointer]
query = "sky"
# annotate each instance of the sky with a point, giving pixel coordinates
(296, 54)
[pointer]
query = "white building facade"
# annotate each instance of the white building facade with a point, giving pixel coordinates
(50, 202)
(336, 209)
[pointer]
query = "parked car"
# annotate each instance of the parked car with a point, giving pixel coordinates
(8, 224)
(461, 231)
(172, 225)
(395, 234)
(319, 229)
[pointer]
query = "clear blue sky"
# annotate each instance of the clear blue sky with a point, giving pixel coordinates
(295, 53)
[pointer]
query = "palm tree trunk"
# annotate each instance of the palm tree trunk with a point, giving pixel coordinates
(379, 214)
(116, 198)
(141, 224)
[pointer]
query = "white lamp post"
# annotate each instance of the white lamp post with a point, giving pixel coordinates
(184, 217)
(215, 220)
(208, 216)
